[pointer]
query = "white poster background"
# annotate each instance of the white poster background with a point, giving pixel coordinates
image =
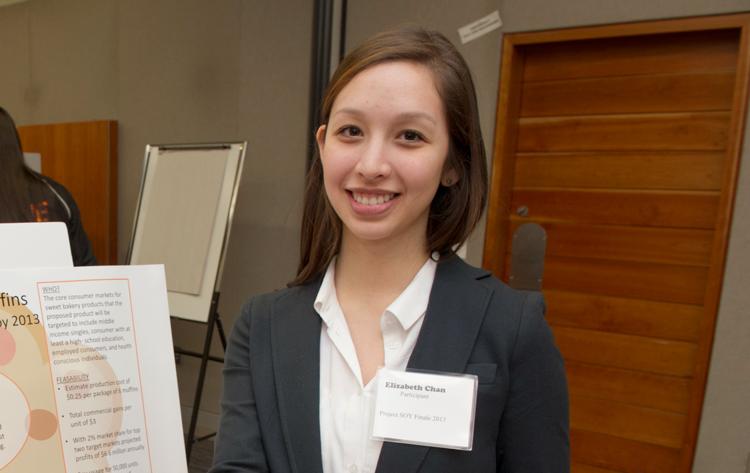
(155, 361)
(28, 245)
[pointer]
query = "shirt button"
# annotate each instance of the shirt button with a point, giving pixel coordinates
(353, 468)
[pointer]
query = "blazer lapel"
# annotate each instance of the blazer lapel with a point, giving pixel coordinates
(295, 338)
(454, 316)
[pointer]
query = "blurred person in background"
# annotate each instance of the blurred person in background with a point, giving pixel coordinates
(26, 196)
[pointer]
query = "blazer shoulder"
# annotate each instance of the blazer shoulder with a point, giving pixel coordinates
(514, 296)
(520, 303)
(511, 312)
(265, 305)
(500, 290)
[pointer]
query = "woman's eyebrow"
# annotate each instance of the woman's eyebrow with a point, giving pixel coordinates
(348, 111)
(416, 115)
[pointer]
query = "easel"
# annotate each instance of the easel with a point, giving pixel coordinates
(205, 357)
(164, 198)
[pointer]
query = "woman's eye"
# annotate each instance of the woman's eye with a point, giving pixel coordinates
(350, 131)
(412, 136)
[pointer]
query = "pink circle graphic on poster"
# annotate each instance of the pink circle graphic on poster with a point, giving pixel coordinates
(7, 347)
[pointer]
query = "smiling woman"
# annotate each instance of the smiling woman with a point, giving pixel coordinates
(398, 183)
(384, 154)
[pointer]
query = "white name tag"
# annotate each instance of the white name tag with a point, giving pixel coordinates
(425, 409)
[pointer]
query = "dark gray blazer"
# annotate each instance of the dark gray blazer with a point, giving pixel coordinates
(474, 324)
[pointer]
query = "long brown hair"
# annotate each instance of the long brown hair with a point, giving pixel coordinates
(16, 180)
(455, 209)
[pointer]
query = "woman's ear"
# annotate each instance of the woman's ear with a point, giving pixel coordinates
(450, 177)
(320, 137)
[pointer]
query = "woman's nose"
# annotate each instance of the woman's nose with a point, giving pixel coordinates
(373, 163)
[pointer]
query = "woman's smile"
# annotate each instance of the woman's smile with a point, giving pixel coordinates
(372, 203)
(368, 198)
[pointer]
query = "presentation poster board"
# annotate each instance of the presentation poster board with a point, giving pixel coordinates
(24, 245)
(184, 217)
(87, 375)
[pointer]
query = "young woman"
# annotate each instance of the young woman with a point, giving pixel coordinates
(399, 182)
(26, 196)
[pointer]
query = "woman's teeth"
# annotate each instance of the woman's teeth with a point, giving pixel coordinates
(372, 199)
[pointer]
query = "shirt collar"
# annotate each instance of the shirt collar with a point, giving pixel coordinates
(411, 304)
(408, 307)
(326, 297)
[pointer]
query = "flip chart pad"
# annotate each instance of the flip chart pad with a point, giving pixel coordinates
(183, 219)
(178, 215)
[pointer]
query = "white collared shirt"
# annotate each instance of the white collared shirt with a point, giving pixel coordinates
(346, 405)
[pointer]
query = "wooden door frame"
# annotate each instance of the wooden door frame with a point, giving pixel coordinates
(508, 105)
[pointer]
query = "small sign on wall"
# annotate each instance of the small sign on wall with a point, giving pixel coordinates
(480, 27)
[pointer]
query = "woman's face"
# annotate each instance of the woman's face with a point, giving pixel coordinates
(383, 153)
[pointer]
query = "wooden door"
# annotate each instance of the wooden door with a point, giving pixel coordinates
(623, 143)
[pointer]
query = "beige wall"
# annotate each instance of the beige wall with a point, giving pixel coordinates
(174, 71)
(191, 70)
(724, 442)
